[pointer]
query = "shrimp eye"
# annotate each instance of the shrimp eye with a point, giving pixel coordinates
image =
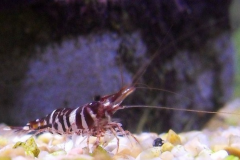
(97, 98)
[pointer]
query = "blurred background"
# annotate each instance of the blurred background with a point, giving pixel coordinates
(235, 20)
(62, 53)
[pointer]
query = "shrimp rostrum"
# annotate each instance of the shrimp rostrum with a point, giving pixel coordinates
(91, 119)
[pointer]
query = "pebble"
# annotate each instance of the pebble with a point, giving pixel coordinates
(158, 142)
(166, 156)
(222, 154)
(194, 147)
(199, 145)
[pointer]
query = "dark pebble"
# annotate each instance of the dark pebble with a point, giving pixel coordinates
(158, 142)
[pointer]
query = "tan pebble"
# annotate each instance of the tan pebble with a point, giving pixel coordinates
(45, 138)
(101, 154)
(173, 138)
(3, 141)
(58, 139)
(119, 148)
(166, 156)
(219, 147)
(167, 147)
(123, 153)
(5, 158)
(233, 151)
(134, 152)
(49, 138)
(9, 151)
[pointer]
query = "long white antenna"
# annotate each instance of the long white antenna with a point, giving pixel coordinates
(180, 109)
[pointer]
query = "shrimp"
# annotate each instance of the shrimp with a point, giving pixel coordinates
(91, 119)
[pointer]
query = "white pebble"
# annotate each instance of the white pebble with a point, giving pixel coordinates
(19, 158)
(75, 151)
(204, 154)
(178, 151)
(147, 142)
(231, 131)
(68, 146)
(43, 154)
(194, 146)
(150, 153)
(189, 135)
(218, 140)
(166, 156)
(219, 155)
(234, 141)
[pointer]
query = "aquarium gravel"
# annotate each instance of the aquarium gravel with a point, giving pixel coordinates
(221, 144)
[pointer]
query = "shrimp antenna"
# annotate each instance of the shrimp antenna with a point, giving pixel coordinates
(121, 72)
(142, 70)
(164, 90)
(180, 109)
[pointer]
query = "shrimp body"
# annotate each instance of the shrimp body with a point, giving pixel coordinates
(90, 119)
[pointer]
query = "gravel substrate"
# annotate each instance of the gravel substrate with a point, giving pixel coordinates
(201, 145)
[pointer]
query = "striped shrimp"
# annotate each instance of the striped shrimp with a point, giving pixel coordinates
(91, 119)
